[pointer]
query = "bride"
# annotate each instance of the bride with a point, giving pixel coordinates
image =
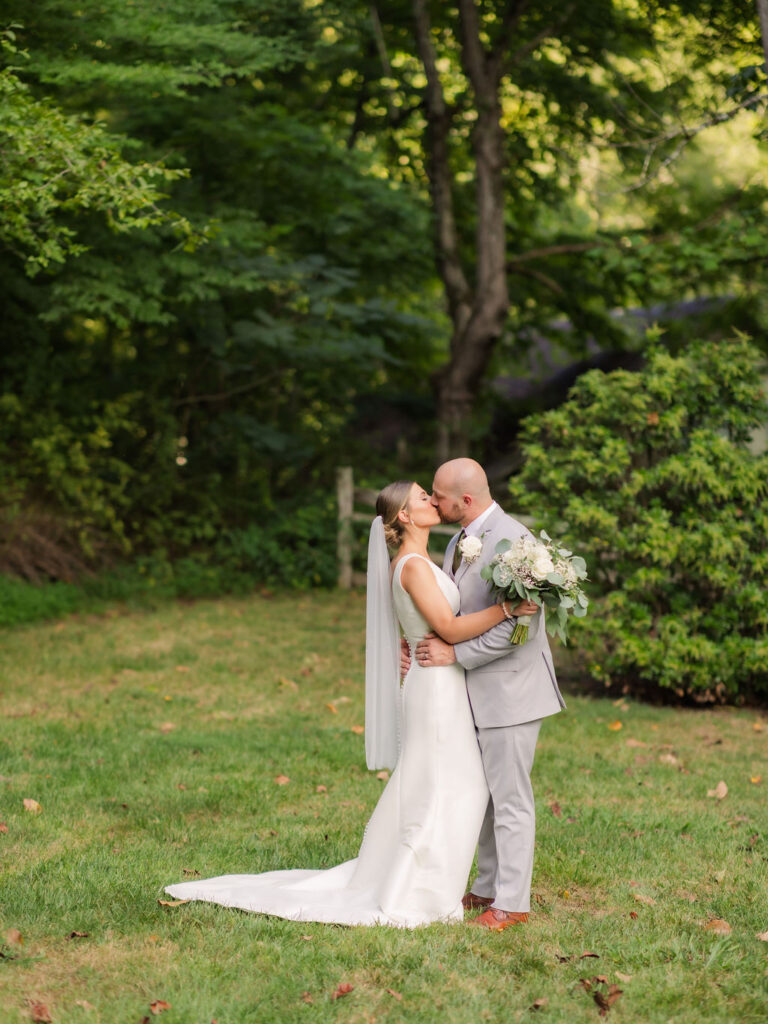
(418, 846)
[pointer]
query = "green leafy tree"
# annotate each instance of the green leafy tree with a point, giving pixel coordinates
(156, 394)
(54, 166)
(513, 115)
(650, 476)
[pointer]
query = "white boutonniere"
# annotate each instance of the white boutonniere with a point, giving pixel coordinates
(471, 548)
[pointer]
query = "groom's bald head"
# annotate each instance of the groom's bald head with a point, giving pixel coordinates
(460, 491)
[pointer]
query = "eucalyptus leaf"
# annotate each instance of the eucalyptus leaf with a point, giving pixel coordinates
(579, 566)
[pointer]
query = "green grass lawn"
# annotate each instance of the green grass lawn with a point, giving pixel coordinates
(152, 742)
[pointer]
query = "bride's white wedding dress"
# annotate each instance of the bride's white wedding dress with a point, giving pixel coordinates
(418, 846)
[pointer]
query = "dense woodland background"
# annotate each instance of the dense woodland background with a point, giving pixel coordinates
(246, 241)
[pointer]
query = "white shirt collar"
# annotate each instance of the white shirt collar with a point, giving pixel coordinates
(473, 529)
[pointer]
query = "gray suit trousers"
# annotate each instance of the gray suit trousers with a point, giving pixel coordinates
(505, 848)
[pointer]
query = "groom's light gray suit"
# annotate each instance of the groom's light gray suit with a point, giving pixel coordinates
(510, 689)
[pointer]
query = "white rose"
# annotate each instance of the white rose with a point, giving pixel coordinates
(470, 548)
(542, 563)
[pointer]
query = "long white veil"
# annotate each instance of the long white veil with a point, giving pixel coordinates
(382, 658)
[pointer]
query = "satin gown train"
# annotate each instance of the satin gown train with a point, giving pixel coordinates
(418, 846)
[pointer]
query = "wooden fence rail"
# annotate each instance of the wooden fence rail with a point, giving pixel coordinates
(348, 496)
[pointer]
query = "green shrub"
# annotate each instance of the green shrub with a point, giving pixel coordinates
(21, 601)
(293, 548)
(649, 475)
(288, 547)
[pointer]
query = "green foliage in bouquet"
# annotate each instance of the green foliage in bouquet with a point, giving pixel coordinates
(650, 475)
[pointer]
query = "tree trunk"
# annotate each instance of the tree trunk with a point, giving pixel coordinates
(762, 10)
(477, 313)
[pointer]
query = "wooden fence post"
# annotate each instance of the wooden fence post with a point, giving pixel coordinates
(345, 493)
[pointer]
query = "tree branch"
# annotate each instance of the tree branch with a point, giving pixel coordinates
(550, 30)
(438, 168)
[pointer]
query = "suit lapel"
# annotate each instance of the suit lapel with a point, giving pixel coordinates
(486, 535)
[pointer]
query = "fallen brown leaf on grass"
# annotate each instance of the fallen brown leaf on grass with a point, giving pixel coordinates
(332, 708)
(615, 726)
(669, 759)
(32, 805)
(39, 1012)
(182, 668)
(172, 903)
(754, 779)
(85, 1004)
(342, 990)
(556, 809)
(287, 684)
(3, 827)
(633, 914)
(757, 726)
(587, 955)
(720, 792)
(718, 926)
(763, 936)
(14, 937)
(77, 935)
(282, 780)
(307, 997)
(357, 729)
(321, 789)
(167, 727)
(623, 977)
(635, 743)
(539, 1004)
(382, 775)
(649, 901)
(190, 871)
(392, 992)
(606, 1000)
(159, 1006)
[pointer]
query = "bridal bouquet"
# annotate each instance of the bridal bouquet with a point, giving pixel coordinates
(543, 572)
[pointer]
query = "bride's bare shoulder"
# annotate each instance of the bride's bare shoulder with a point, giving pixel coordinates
(416, 572)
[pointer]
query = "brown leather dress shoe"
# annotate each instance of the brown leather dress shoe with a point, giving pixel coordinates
(471, 902)
(497, 920)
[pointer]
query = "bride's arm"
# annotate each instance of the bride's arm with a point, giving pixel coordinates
(418, 580)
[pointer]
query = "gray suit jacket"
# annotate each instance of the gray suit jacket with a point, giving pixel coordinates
(506, 685)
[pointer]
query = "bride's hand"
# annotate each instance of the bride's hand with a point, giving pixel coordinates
(524, 608)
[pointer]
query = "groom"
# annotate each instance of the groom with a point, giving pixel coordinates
(511, 689)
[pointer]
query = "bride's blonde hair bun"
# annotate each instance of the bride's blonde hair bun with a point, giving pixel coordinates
(390, 501)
